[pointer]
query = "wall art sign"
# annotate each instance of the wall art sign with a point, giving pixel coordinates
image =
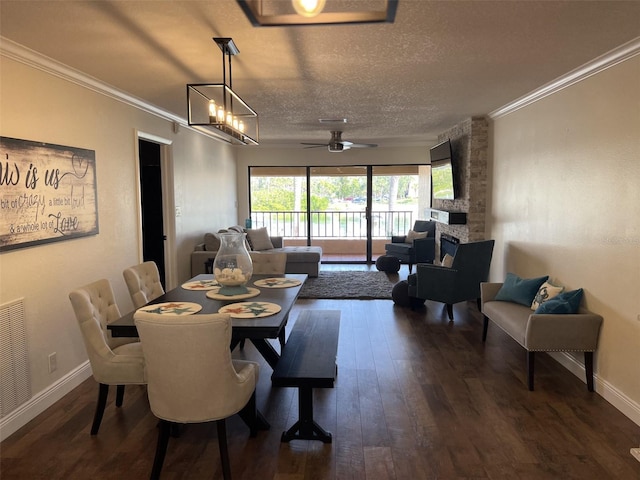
(47, 193)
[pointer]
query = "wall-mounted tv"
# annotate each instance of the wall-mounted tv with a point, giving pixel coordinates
(442, 171)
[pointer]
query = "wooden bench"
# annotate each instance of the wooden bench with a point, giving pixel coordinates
(308, 361)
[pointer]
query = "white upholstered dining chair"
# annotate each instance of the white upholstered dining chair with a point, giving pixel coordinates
(143, 282)
(191, 377)
(114, 361)
(265, 263)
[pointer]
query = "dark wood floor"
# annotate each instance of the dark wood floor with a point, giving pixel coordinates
(417, 397)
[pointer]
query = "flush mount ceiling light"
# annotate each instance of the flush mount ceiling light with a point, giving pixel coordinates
(215, 108)
(274, 13)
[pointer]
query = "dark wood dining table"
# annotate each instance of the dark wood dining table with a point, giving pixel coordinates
(257, 330)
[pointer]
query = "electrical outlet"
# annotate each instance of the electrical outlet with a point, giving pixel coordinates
(178, 211)
(53, 362)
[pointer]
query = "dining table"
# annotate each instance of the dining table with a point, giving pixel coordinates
(257, 330)
(274, 290)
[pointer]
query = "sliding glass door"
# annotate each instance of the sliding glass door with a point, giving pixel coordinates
(350, 211)
(340, 212)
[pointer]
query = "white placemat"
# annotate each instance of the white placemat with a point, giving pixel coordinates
(201, 285)
(277, 282)
(215, 295)
(250, 309)
(172, 308)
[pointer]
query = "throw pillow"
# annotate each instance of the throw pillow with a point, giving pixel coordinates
(520, 290)
(411, 236)
(259, 239)
(236, 228)
(567, 302)
(211, 242)
(546, 292)
(447, 260)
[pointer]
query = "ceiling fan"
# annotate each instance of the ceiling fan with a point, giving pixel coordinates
(336, 144)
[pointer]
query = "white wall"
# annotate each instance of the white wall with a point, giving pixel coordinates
(565, 201)
(36, 105)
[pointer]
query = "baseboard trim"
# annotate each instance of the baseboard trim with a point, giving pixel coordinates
(603, 388)
(43, 400)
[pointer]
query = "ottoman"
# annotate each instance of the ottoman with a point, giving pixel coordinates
(388, 263)
(400, 296)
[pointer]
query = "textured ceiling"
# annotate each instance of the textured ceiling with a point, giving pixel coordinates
(400, 83)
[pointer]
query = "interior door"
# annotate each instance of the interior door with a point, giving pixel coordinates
(153, 236)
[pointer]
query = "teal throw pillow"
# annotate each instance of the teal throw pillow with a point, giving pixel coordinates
(567, 302)
(520, 290)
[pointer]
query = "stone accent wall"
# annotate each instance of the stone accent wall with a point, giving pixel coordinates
(470, 147)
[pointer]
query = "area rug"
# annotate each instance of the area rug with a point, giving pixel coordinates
(349, 284)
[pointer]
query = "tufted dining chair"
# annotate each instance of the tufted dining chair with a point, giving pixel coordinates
(191, 376)
(114, 361)
(266, 263)
(143, 282)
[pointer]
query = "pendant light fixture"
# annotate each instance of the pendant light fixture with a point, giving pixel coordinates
(281, 13)
(217, 109)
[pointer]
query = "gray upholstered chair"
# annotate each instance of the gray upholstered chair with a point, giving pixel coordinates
(458, 283)
(191, 376)
(420, 250)
(114, 361)
(143, 282)
(265, 263)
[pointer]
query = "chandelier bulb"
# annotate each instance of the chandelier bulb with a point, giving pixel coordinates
(308, 8)
(212, 111)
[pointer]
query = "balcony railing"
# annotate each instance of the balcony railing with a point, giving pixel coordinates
(333, 224)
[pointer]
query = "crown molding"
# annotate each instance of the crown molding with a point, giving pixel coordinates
(31, 58)
(597, 65)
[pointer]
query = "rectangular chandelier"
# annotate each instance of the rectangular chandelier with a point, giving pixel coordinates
(215, 108)
(275, 13)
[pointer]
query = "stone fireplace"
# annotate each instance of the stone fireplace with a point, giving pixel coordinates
(470, 146)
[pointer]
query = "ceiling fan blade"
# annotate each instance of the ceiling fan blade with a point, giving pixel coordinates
(314, 144)
(363, 145)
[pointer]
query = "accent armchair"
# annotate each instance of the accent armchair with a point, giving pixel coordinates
(458, 283)
(419, 250)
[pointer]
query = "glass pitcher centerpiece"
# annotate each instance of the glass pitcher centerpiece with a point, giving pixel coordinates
(232, 267)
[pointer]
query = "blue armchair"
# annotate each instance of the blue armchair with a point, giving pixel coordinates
(460, 282)
(421, 250)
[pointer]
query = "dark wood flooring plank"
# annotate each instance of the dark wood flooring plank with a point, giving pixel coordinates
(416, 397)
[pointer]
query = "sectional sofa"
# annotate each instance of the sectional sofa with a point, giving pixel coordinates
(300, 259)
